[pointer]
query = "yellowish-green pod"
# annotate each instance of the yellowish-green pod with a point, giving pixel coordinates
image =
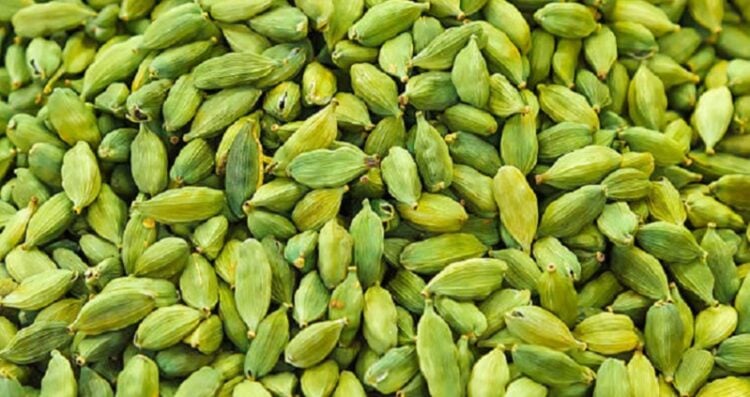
(185, 204)
(90, 384)
(166, 327)
(538, 326)
(140, 377)
(434, 213)
(433, 254)
(584, 166)
(234, 11)
(565, 62)
(433, 160)
(712, 116)
(148, 161)
(475, 189)
(107, 215)
(550, 367)
(513, 197)
(317, 132)
(380, 328)
(562, 104)
(526, 387)
(220, 110)
(252, 284)
(647, 100)
(384, 21)
(203, 382)
(234, 327)
(424, 30)
(346, 53)
(663, 337)
(693, 371)
(437, 354)
(600, 51)
(270, 339)
(313, 344)
(81, 177)
(484, 275)
(207, 336)
(570, 21)
(244, 168)
(163, 259)
(163, 291)
(342, 165)
(395, 56)
(393, 370)
(376, 88)
(608, 333)
(470, 75)
(232, 69)
(310, 300)
(321, 379)
(181, 103)
(505, 16)
(618, 223)
(556, 291)
(729, 386)
(432, 90)
(519, 146)
(347, 302)
(367, 233)
(400, 175)
(44, 19)
(714, 325)
(318, 84)
(198, 284)
(345, 13)
(241, 38)
(39, 290)
(54, 216)
(729, 355)
(489, 374)
(612, 379)
(566, 215)
(125, 56)
(317, 207)
(113, 311)
(44, 57)
(134, 9)
(176, 26)
(335, 246)
(59, 379)
(656, 20)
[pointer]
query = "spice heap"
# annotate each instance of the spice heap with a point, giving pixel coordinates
(349, 198)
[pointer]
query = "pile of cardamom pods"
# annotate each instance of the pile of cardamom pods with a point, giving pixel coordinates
(349, 198)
